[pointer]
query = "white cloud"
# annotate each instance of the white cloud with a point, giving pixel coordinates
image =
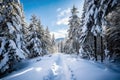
(64, 12)
(59, 9)
(63, 17)
(63, 21)
(59, 33)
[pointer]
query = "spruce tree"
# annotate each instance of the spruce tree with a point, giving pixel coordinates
(33, 41)
(53, 44)
(47, 40)
(41, 36)
(74, 24)
(112, 32)
(93, 37)
(11, 37)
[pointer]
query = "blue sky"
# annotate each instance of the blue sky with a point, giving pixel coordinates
(52, 13)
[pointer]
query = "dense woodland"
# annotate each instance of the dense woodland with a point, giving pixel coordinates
(18, 39)
(94, 36)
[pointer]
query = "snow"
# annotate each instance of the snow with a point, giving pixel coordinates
(5, 59)
(10, 27)
(17, 26)
(2, 44)
(106, 52)
(55, 68)
(19, 40)
(23, 72)
(63, 67)
(95, 15)
(18, 9)
(114, 2)
(18, 51)
(3, 62)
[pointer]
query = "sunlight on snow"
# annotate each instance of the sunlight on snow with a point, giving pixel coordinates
(71, 60)
(38, 69)
(23, 72)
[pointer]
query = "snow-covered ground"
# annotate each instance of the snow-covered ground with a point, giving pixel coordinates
(63, 67)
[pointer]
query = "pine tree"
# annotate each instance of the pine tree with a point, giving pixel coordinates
(112, 32)
(93, 37)
(41, 36)
(47, 40)
(11, 37)
(74, 24)
(33, 39)
(61, 46)
(54, 47)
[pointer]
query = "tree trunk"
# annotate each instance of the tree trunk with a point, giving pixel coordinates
(95, 47)
(102, 52)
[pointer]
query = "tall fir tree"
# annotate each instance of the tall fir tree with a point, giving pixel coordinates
(41, 36)
(74, 24)
(54, 47)
(33, 41)
(112, 32)
(93, 38)
(47, 39)
(11, 37)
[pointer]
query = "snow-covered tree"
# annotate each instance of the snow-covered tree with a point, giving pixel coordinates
(74, 24)
(112, 32)
(11, 37)
(53, 40)
(92, 38)
(47, 40)
(60, 46)
(41, 33)
(54, 47)
(34, 44)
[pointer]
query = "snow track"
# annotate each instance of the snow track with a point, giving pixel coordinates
(58, 71)
(63, 67)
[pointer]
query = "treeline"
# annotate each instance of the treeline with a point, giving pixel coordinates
(18, 40)
(96, 35)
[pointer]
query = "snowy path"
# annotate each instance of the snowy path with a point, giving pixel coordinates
(63, 67)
